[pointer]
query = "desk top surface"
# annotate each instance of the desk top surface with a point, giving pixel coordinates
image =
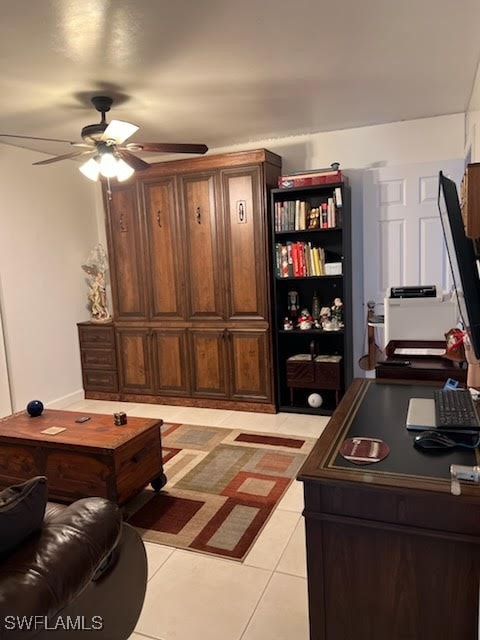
(378, 409)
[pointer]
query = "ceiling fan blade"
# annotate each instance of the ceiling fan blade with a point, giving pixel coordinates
(168, 147)
(137, 163)
(119, 131)
(65, 156)
(11, 135)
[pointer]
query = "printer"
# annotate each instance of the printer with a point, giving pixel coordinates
(419, 313)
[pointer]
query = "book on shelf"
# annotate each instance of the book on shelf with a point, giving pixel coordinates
(299, 215)
(307, 179)
(298, 260)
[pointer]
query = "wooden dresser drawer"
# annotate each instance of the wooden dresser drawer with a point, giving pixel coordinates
(90, 334)
(99, 380)
(98, 358)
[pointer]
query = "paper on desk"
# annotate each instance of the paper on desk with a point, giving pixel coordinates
(53, 431)
(415, 351)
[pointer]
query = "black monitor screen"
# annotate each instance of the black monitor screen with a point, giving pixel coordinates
(463, 262)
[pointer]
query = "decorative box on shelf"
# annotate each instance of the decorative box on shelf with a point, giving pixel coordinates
(333, 268)
(306, 371)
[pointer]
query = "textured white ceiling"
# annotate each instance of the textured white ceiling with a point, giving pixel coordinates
(221, 72)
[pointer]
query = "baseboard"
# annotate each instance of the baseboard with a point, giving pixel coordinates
(65, 401)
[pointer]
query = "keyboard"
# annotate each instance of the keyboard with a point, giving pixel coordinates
(455, 409)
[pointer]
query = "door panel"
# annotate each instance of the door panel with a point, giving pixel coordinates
(203, 238)
(135, 360)
(402, 234)
(209, 363)
(249, 357)
(171, 361)
(245, 244)
(165, 262)
(126, 254)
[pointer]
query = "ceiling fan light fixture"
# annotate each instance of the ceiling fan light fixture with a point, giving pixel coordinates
(124, 170)
(108, 165)
(90, 169)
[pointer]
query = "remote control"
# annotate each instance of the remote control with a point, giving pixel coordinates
(83, 419)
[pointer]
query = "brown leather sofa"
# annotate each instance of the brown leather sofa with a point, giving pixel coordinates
(84, 573)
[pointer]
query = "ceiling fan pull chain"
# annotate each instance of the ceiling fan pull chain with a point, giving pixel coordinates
(159, 222)
(198, 215)
(109, 190)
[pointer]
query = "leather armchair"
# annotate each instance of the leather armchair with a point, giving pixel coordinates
(83, 574)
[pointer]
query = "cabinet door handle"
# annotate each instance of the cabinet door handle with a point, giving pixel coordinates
(198, 215)
(122, 224)
(241, 211)
(159, 221)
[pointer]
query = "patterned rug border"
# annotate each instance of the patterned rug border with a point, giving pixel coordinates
(223, 485)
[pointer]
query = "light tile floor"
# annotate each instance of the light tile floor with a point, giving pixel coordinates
(192, 595)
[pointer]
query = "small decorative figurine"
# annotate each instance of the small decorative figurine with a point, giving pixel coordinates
(287, 324)
(293, 305)
(305, 321)
(325, 314)
(96, 267)
(313, 221)
(337, 312)
(316, 311)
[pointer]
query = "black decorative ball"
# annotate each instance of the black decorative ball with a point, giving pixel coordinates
(35, 408)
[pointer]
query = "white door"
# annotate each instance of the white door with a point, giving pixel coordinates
(403, 241)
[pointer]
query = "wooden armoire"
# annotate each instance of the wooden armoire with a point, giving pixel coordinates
(189, 268)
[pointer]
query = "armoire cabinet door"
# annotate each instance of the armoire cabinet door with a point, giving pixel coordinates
(127, 269)
(209, 363)
(203, 240)
(249, 364)
(245, 243)
(172, 370)
(164, 256)
(134, 351)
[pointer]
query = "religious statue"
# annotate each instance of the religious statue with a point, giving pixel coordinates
(96, 267)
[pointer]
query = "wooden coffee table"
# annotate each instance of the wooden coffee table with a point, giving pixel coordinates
(95, 458)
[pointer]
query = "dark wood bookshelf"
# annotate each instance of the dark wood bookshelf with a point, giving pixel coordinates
(336, 242)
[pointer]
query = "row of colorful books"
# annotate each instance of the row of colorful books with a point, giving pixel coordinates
(299, 260)
(307, 178)
(299, 215)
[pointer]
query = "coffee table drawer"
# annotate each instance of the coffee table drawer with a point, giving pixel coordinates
(76, 474)
(137, 463)
(17, 463)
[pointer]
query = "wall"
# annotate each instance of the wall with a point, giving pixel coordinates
(48, 227)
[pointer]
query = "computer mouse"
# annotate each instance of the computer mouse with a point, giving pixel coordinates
(434, 440)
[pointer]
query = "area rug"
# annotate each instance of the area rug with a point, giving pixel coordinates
(223, 485)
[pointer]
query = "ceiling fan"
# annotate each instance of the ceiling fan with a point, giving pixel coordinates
(111, 155)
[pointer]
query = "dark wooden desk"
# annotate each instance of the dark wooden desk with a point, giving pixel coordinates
(433, 368)
(391, 554)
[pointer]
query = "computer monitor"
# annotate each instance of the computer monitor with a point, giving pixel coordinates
(463, 260)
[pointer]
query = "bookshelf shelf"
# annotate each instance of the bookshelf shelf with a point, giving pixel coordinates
(295, 273)
(294, 278)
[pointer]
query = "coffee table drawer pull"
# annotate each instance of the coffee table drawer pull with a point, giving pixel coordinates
(140, 454)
